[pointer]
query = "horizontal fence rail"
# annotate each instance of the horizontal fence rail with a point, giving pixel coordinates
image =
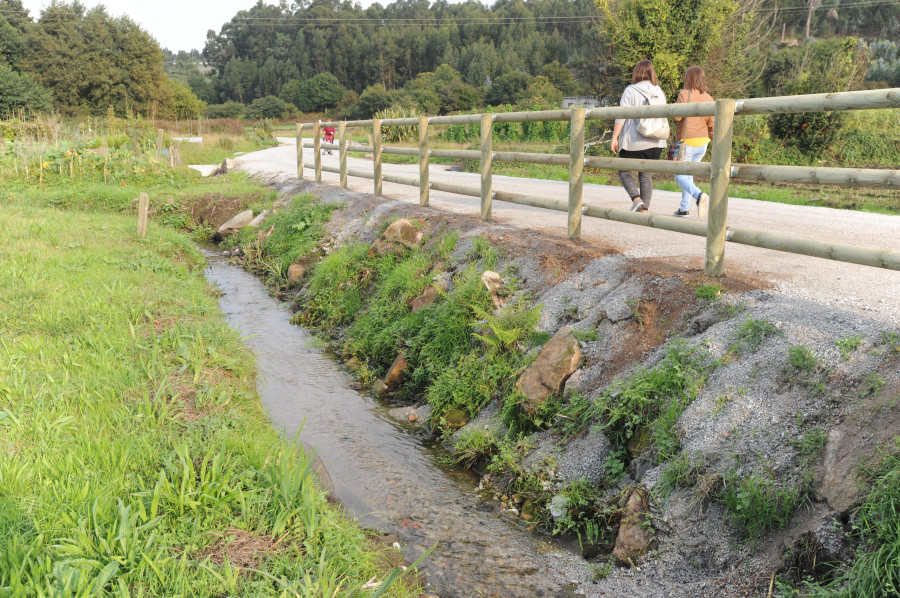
(720, 170)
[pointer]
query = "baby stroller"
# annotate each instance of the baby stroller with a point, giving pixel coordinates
(328, 137)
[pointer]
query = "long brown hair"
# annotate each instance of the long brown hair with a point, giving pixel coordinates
(695, 78)
(644, 71)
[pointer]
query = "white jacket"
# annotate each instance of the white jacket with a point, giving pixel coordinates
(636, 95)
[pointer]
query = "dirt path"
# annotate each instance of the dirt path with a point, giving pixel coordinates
(870, 291)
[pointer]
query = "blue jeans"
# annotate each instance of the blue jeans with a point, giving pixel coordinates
(689, 191)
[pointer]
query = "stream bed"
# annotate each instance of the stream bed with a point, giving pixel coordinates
(386, 473)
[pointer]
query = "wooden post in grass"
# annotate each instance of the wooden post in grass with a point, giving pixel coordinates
(171, 157)
(423, 160)
(143, 207)
(487, 139)
(376, 153)
(159, 140)
(317, 149)
(342, 152)
(718, 189)
(299, 153)
(576, 172)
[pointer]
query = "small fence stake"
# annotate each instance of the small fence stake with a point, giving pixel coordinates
(376, 153)
(576, 172)
(159, 146)
(718, 193)
(299, 152)
(423, 160)
(143, 207)
(487, 139)
(342, 151)
(317, 149)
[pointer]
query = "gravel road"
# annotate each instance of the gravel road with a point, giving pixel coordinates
(868, 291)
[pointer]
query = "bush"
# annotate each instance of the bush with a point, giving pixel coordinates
(268, 107)
(226, 110)
(374, 99)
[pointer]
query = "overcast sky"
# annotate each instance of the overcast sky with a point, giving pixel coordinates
(176, 24)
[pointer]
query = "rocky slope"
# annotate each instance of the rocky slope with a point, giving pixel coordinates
(748, 467)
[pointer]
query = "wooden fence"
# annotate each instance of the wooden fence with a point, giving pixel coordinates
(720, 168)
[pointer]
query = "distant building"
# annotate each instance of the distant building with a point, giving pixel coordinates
(583, 101)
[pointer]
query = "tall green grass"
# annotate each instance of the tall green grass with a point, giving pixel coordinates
(132, 444)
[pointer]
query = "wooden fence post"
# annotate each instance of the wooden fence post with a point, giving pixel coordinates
(423, 160)
(576, 172)
(159, 140)
(376, 153)
(317, 149)
(716, 225)
(487, 140)
(143, 207)
(342, 151)
(299, 152)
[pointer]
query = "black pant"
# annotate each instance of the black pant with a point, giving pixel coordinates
(645, 178)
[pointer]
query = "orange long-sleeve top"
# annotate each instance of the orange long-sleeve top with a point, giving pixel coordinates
(694, 127)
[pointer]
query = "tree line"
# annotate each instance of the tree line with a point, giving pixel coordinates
(84, 61)
(424, 57)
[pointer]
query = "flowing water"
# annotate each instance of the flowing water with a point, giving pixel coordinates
(385, 472)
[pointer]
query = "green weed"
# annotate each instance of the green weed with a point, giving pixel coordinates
(802, 358)
(875, 572)
(709, 291)
(753, 333)
(871, 385)
(649, 400)
(848, 344)
(589, 336)
(757, 504)
(681, 472)
(131, 412)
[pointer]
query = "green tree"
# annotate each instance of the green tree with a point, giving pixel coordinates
(560, 77)
(184, 105)
(374, 99)
(18, 90)
(507, 87)
(818, 67)
(673, 34)
(541, 94)
(90, 61)
(268, 107)
(321, 92)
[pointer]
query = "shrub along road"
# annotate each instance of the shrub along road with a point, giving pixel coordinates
(859, 288)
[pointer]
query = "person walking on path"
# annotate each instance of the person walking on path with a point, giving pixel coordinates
(629, 142)
(695, 132)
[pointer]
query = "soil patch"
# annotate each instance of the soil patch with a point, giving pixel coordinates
(871, 428)
(216, 209)
(242, 548)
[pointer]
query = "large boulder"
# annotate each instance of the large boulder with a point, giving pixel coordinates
(238, 222)
(396, 371)
(634, 537)
(547, 376)
(295, 274)
(259, 219)
(403, 232)
(381, 248)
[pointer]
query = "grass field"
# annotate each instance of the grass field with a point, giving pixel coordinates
(135, 458)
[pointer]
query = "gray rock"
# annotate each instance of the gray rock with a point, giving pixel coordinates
(259, 219)
(238, 222)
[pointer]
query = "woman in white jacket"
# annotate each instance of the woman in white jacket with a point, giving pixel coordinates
(629, 143)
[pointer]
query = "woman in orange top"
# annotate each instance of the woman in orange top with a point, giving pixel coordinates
(695, 132)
